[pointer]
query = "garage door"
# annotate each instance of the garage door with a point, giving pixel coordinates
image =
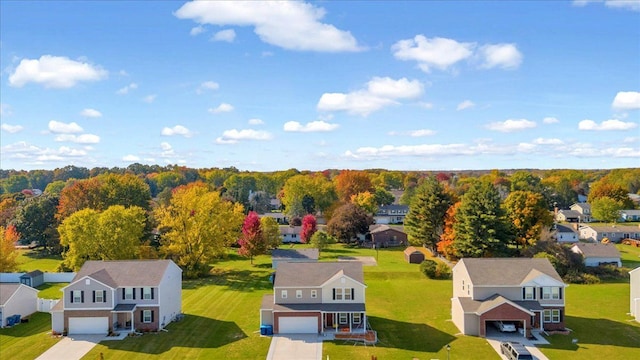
(89, 325)
(298, 325)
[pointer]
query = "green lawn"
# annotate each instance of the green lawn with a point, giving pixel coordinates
(29, 260)
(410, 312)
(630, 255)
(27, 340)
(51, 290)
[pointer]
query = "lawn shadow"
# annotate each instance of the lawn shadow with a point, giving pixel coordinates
(38, 254)
(409, 336)
(39, 322)
(192, 331)
(587, 331)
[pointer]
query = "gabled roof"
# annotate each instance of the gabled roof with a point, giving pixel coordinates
(8, 289)
(564, 229)
(382, 228)
(300, 254)
(124, 273)
(614, 228)
(32, 274)
(480, 307)
(569, 213)
(597, 250)
(310, 274)
(507, 271)
(289, 230)
(584, 206)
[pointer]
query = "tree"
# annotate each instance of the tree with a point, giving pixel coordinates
(602, 189)
(321, 240)
(347, 221)
(383, 197)
(55, 188)
(114, 234)
(260, 202)
(366, 201)
(606, 209)
(15, 183)
(197, 226)
(525, 181)
(308, 204)
(252, 241)
(425, 221)
(271, 232)
(8, 253)
(315, 186)
(36, 220)
(445, 245)
(528, 214)
(239, 187)
(309, 227)
(481, 226)
(351, 182)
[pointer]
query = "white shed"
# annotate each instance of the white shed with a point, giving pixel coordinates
(17, 299)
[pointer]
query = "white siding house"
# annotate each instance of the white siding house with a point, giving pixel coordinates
(634, 302)
(17, 299)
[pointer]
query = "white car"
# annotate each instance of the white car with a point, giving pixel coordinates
(505, 327)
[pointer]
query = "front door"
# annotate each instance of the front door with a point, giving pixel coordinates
(328, 320)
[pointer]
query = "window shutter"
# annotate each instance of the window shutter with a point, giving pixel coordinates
(334, 294)
(104, 295)
(152, 297)
(524, 294)
(122, 293)
(560, 293)
(71, 292)
(141, 315)
(540, 293)
(352, 293)
(141, 293)
(133, 290)
(151, 315)
(81, 296)
(94, 296)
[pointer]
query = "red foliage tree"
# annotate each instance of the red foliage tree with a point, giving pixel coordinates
(309, 227)
(445, 245)
(252, 242)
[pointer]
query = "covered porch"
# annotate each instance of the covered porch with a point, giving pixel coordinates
(122, 318)
(344, 322)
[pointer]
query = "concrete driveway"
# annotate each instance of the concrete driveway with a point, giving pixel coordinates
(71, 347)
(295, 347)
(495, 337)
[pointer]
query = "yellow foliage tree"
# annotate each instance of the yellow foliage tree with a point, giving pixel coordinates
(8, 253)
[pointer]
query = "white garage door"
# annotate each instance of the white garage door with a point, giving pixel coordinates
(89, 325)
(298, 325)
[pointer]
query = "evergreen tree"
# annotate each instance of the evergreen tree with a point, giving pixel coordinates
(425, 221)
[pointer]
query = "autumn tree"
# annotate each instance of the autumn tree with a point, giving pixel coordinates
(197, 226)
(36, 220)
(347, 221)
(252, 241)
(8, 253)
(528, 214)
(481, 226)
(15, 183)
(260, 202)
(445, 245)
(321, 240)
(602, 189)
(351, 182)
(606, 209)
(425, 220)
(114, 234)
(366, 201)
(309, 227)
(270, 232)
(383, 196)
(300, 187)
(238, 187)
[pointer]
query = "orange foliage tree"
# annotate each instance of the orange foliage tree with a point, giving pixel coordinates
(445, 245)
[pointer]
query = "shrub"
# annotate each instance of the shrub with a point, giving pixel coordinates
(443, 271)
(578, 277)
(435, 270)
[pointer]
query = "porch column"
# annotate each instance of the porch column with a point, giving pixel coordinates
(132, 319)
(350, 321)
(322, 315)
(364, 321)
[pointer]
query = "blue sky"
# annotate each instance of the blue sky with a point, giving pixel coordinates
(415, 85)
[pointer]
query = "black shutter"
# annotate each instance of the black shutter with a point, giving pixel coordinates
(151, 315)
(141, 293)
(524, 297)
(133, 290)
(94, 296)
(540, 293)
(152, 294)
(560, 292)
(123, 293)
(71, 292)
(104, 295)
(81, 296)
(352, 294)
(141, 315)
(334, 294)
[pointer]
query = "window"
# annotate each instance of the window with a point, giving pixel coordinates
(529, 293)
(551, 293)
(462, 284)
(147, 293)
(343, 318)
(147, 316)
(552, 316)
(77, 296)
(99, 296)
(284, 294)
(348, 294)
(314, 294)
(343, 294)
(128, 294)
(357, 318)
(547, 316)
(337, 294)
(298, 294)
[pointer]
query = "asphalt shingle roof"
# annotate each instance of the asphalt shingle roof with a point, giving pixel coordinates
(292, 274)
(507, 271)
(598, 250)
(120, 273)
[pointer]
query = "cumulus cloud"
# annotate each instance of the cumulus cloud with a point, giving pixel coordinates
(414, 133)
(79, 139)
(505, 56)
(125, 90)
(150, 98)
(176, 130)
(256, 121)
(550, 120)
(511, 125)
(222, 108)
(626, 100)
(55, 72)
(64, 128)
(207, 85)
(437, 52)
(227, 35)
(379, 92)
(606, 125)
(313, 126)
(632, 5)
(197, 30)
(467, 104)
(11, 129)
(550, 141)
(286, 24)
(233, 136)
(31, 154)
(411, 150)
(91, 113)
(130, 158)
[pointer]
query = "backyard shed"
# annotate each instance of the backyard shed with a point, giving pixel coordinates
(413, 255)
(33, 278)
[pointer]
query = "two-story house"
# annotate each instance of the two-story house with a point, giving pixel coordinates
(391, 214)
(122, 295)
(316, 298)
(584, 209)
(523, 291)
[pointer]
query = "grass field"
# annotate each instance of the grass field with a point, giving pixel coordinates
(410, 312)
(27, 340)
(29, 260)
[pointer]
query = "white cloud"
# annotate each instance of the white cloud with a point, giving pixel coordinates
(224, 107)
(627, 100)
(413, 133)
(380, 92)
(633, 5)
(91, 113)
(176, 130)
(233, 136)
(197, 30)
(5, 110)
(426, 105)
(79, 139)
(437, 52)
(55, 72)
(11, 129)
(467, 104)
(550, 141)
(631, 139)
(130, 158)
(256, 121)
(287, 24)
(63, 128)
(550, 120)
(411, 150)
(207, 85)
(150, 98)
(313, 126)
(505, 56)
(227, 35)
(31, 154)
(606, 125)
(125, 90)
(511, 125)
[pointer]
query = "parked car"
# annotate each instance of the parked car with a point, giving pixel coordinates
(505, 327)
(515, 351)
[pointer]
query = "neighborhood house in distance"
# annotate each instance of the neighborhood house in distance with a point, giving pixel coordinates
(120, 295)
